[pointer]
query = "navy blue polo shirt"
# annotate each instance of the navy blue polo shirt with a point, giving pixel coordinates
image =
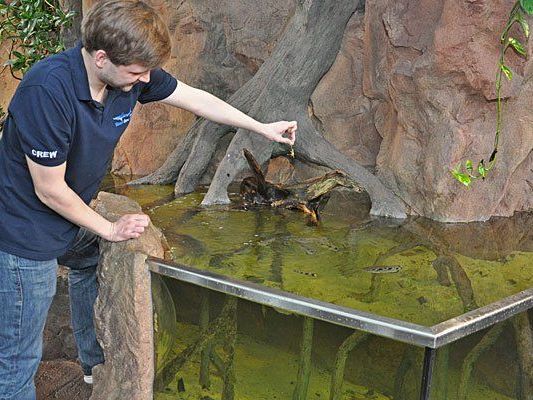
(52, 119)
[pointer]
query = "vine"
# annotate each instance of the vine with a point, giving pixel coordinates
(518, 14)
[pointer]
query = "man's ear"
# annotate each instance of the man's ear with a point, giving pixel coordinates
(100, 58)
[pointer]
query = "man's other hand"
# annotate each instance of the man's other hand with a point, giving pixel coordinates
(129, 226)
(282, 131)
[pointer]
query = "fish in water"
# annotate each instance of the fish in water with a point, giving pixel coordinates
(299, 271)
(383, 269)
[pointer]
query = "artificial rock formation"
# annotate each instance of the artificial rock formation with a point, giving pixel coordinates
(219, 52)
(123, 309)
(421, 74)
(430, 67)
(217, 46)
(8, 83)
(311, 41)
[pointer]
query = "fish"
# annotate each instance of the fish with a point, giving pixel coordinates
(312, 274)
(383, 269)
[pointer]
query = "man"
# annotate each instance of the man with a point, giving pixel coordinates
(64, 121)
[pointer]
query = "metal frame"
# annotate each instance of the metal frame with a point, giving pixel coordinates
(418, 335)
(431, 338)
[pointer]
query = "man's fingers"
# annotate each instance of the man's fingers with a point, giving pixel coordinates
(287, 140)
(131, 226)
(293, 126)
(289, 137)
(142, 219)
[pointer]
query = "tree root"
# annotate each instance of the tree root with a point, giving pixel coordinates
(468, 365)
(280, 89)
(337, 377)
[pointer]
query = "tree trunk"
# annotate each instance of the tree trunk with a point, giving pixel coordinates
(280, 89)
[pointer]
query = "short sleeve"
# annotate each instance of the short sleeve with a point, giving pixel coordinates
(42, 125)
(161, 85)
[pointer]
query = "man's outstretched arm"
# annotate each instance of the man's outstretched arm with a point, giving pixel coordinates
(208, 106)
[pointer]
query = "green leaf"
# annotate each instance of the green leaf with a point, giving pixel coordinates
(33, 28)
(527, 5)
(508, 73)
(463, 178)
(519, 47)
(468, 166)
(481, 169)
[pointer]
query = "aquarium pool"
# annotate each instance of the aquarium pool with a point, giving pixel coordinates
(417, 282)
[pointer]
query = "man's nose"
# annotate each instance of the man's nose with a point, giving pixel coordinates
(145, 77)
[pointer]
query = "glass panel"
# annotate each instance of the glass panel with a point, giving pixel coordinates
(212, 346)
(224, 348)
(495, 364)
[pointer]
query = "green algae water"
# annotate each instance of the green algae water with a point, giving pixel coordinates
(414, 270)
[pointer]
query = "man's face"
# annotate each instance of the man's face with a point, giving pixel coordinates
(123, 77)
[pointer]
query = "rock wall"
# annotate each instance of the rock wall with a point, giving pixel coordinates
(411, 93)
(8, 84)
(217, 46)
(430, 66)
(341, 111)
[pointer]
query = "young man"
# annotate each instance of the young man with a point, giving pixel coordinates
(64, 121)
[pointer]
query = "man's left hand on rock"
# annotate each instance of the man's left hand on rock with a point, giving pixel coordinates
(129, 226)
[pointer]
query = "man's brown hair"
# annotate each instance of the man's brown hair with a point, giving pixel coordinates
(129, 31)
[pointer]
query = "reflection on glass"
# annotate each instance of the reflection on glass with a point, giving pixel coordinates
(233, 349)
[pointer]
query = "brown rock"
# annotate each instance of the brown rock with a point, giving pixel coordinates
(282, 170)
(434, 79)
(343, 113)
(154, 129)
(414, 80)
(123, 309)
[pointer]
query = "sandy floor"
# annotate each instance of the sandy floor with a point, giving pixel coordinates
(60, 377)
(61, 380)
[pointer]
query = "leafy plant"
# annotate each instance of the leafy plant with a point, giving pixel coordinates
(518, 15)
(34, 29)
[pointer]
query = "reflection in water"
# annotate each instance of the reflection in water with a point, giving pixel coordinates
(440, 270)
(259, 353)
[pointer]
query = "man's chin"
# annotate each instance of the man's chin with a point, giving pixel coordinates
(125, 88)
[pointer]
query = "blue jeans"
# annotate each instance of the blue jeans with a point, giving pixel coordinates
(26, 291)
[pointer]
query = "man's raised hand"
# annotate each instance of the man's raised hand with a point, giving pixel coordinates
(281, 131)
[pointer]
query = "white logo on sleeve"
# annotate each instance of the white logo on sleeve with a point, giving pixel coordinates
(44, 154)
